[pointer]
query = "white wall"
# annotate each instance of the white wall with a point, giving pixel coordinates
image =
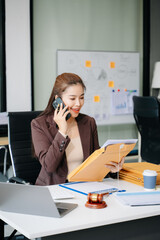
(108, 25)
(18, 67)
(111, 25)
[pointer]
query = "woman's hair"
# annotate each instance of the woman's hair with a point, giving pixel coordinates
(62, 82)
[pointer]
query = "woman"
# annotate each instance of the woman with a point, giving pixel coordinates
(61, 145)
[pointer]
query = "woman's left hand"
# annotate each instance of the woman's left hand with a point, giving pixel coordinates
(115, 167)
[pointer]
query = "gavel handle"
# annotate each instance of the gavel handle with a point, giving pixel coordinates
(107, 193)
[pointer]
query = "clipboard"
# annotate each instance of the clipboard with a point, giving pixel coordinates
(94, 169)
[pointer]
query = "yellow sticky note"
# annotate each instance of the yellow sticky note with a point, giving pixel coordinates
(112, 64)
(96, 98)
(88, 63)
(111, 84)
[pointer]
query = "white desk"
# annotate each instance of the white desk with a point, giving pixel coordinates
(84, 218)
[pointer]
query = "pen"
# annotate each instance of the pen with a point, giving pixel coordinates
(110, 191)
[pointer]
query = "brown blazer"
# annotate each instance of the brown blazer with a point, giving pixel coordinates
(50, 146)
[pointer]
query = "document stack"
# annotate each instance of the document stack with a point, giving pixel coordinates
(133, 172)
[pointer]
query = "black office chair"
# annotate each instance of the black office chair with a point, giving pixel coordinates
(147, 118)
(25, 167)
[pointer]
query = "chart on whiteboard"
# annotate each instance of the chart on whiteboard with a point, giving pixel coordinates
(111, 79)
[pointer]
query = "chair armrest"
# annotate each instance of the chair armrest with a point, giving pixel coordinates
(17, 180)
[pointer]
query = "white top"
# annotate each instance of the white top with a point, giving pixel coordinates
(149, 173)
(74, 154)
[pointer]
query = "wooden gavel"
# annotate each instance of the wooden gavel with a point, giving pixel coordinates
(95, 200)
(96, 197)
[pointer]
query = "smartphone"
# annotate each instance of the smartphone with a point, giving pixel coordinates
(56, 104)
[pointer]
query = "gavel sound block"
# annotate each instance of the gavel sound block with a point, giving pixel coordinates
(95, 200)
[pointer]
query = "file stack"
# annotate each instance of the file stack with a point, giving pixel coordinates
(133, 172)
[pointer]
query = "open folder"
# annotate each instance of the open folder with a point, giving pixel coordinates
(93, 168)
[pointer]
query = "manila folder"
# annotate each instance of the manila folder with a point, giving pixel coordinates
(94, 169)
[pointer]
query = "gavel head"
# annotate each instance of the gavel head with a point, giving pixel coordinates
(95, 198)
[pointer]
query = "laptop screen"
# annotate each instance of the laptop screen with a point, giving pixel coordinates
(32, 200)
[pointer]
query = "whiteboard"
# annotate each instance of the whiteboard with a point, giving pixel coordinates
(111, 79)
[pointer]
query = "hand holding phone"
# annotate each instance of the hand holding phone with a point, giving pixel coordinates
(57, 103)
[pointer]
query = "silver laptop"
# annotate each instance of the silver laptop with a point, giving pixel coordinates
(33, 200)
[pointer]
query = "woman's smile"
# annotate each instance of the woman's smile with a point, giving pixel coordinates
(76, 110)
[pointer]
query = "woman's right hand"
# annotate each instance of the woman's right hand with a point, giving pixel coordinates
(60, 118)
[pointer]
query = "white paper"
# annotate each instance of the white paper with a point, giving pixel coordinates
(60, 193)
(113, 141)
(122, 102)
(139, 198)
(90, 187)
